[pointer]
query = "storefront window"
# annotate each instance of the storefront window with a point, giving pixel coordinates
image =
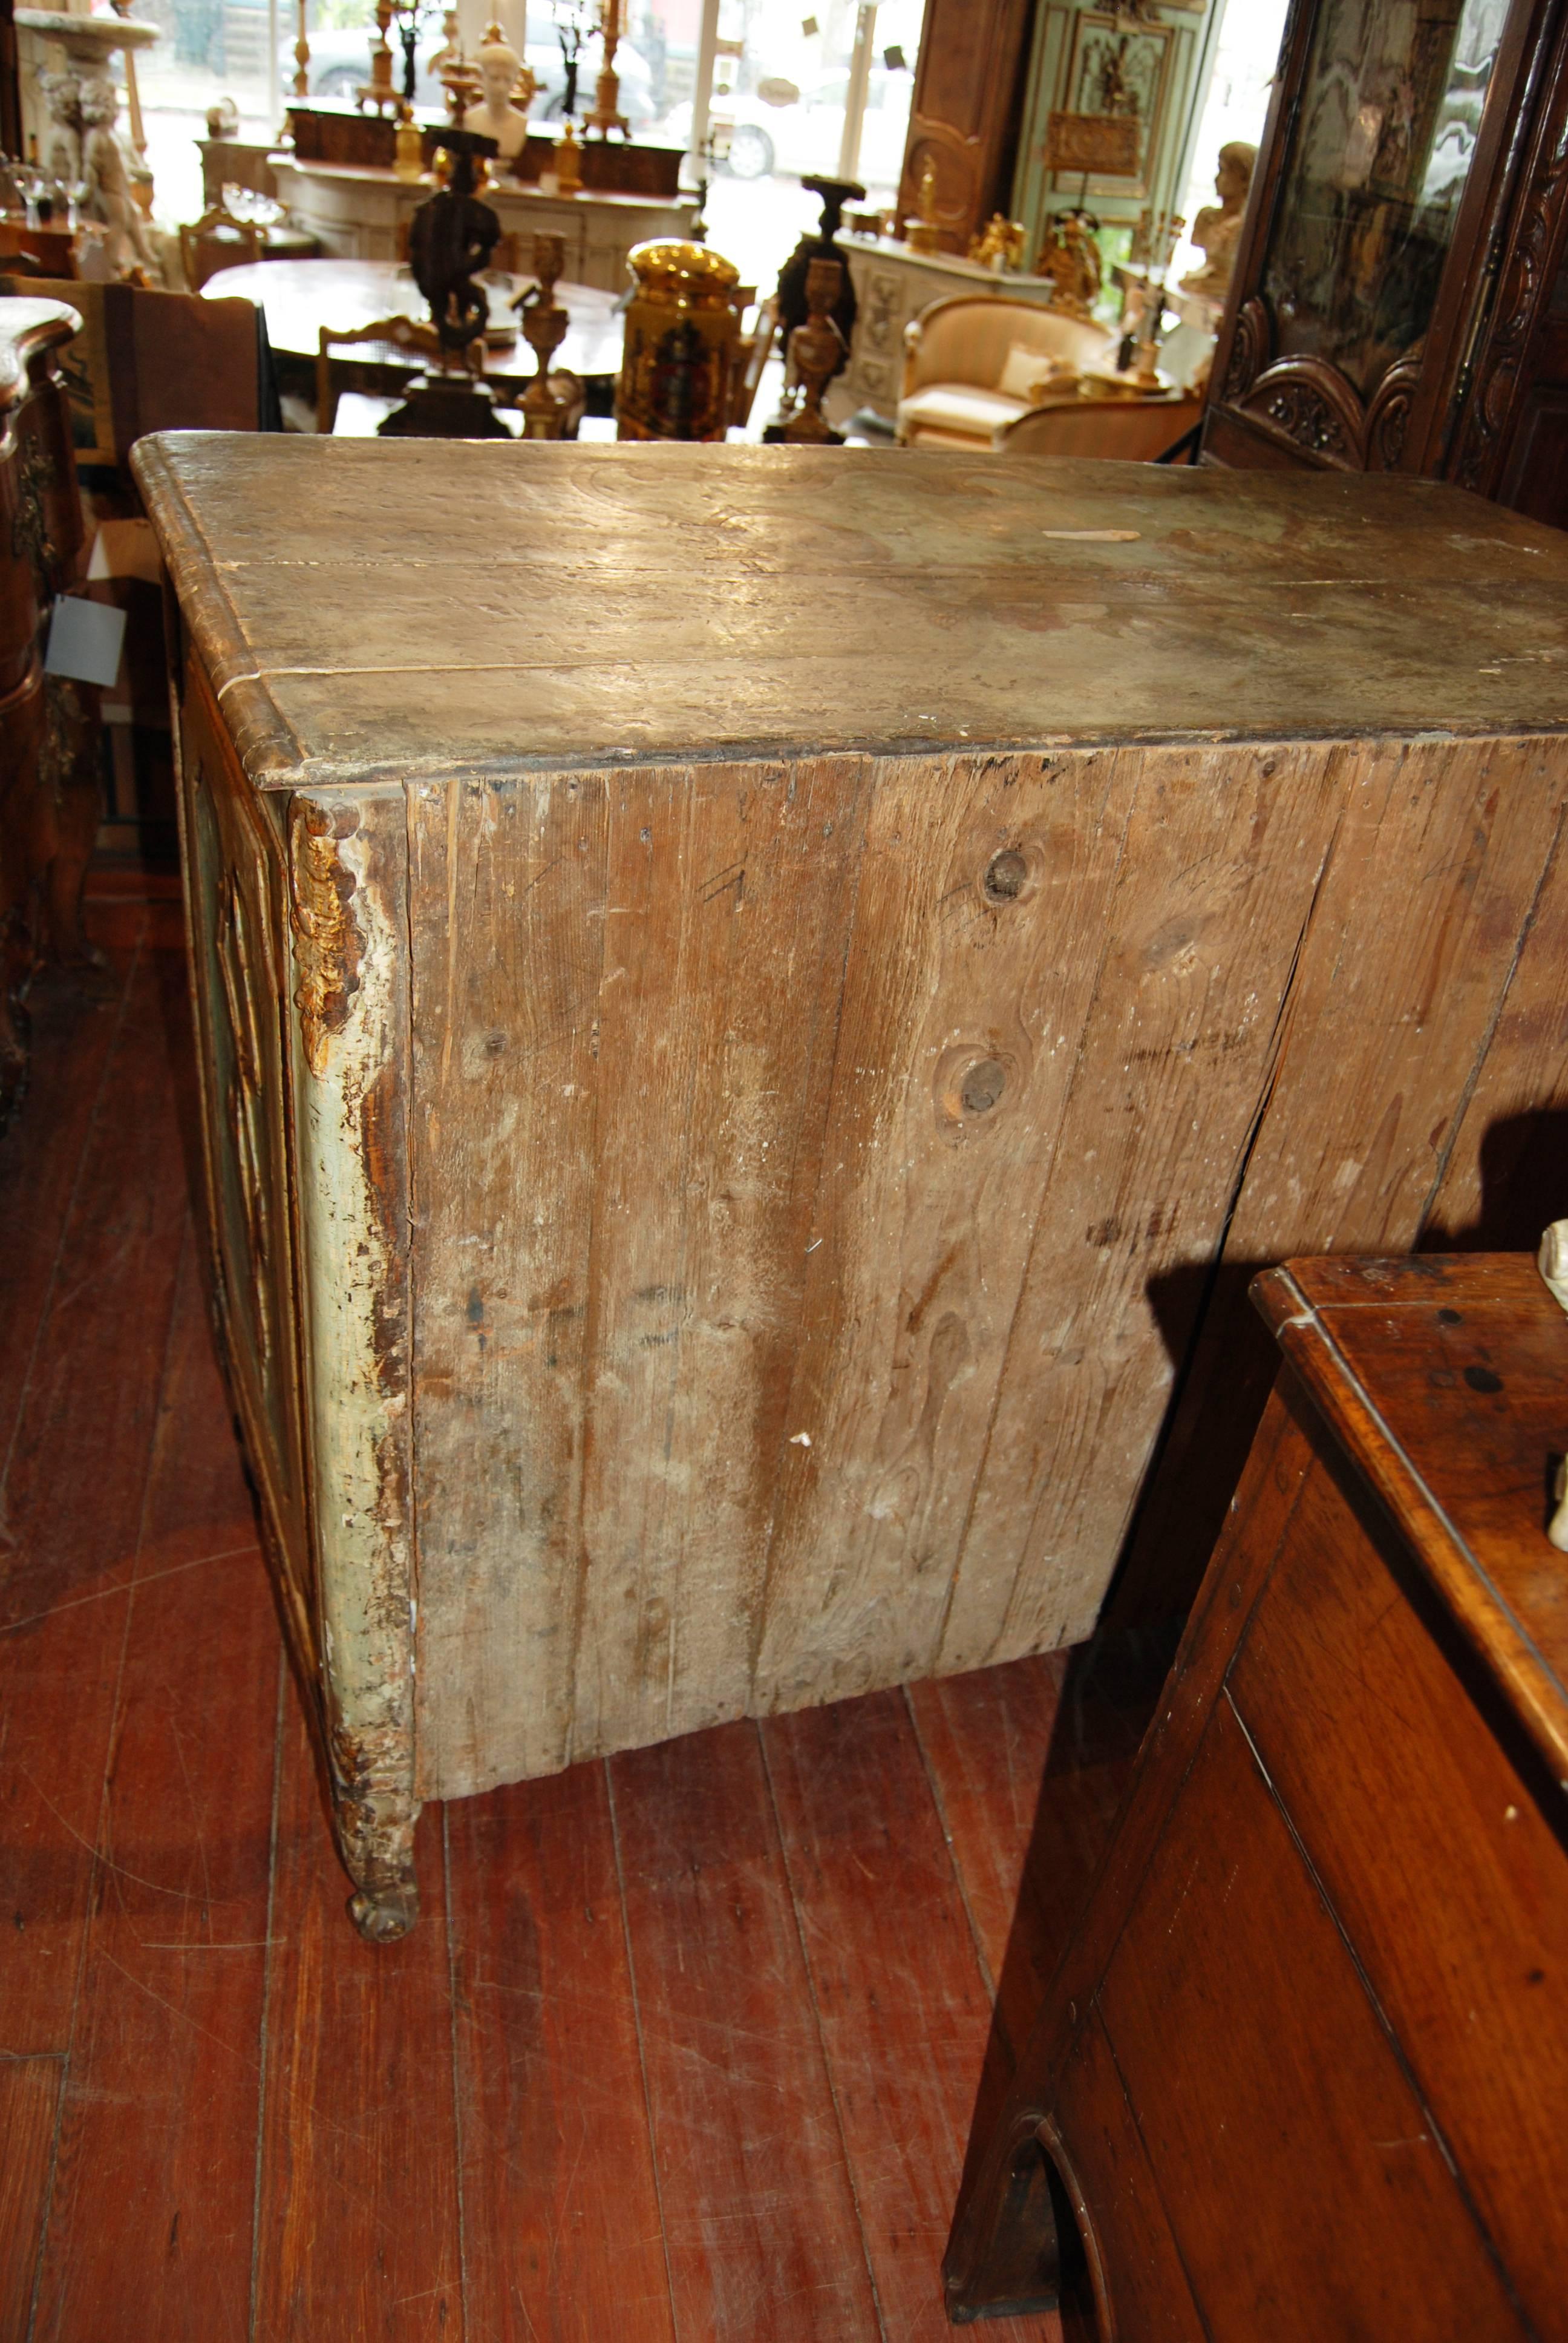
(797, 91)
(210, 50)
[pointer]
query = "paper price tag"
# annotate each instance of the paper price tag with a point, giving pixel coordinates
(86, 640)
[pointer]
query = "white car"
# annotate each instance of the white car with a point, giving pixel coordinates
(781, 127)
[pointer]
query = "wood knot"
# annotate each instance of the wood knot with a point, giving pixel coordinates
(982, 1087)
(1005, 875)
(972, 1085)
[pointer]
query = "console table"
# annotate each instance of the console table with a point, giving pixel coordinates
(1303, 2070)
(893, 285)
(355, 211)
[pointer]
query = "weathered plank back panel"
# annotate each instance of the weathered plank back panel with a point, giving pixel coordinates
(1173, 1070)
(819, 1190)
(507, 886)
(862, 949)
(1425, 1013)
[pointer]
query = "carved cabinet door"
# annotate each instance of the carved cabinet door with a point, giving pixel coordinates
(235, 897)
(1395, 249)
(963, 115)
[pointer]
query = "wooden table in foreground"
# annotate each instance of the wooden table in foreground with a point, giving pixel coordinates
(1303, 2071)
(298, 297)
(743, 995)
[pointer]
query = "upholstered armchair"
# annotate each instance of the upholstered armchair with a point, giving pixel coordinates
(977, 361)
(1135, 430)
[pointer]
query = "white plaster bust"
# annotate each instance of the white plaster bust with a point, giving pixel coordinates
(494, 113)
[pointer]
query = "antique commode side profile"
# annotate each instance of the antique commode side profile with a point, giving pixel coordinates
(743, 1034)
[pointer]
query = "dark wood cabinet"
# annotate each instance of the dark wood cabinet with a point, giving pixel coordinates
(963, 116)
(1395, 304)
(1303, 2070)
(49, 726)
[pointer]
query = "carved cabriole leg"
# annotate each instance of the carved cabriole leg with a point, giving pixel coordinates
(1002, 2258)
(348, 1014)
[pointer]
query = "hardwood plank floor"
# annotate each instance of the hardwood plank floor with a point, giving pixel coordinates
(685, 2045)
(902, 2004)
(555, 2147)
(29, 2096)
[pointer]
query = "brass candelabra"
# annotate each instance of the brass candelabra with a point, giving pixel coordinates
(381, 91)
(606, 115)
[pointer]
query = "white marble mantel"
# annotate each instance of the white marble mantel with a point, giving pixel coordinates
(893, 285)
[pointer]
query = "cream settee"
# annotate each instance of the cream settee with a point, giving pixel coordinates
(967, 370)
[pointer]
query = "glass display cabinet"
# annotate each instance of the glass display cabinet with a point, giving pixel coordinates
(1402, 241)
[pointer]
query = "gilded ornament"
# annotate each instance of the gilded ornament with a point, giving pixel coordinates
(327, 943)
(1001, 245)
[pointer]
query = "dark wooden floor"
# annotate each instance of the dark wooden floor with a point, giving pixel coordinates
(685, 2047)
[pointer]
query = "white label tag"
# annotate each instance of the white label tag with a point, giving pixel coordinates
(84, 641)
(125, 548)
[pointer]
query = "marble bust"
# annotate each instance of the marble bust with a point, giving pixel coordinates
(493, 115)
(1217, 229)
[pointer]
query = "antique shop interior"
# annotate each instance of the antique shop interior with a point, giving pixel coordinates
(783, 1145)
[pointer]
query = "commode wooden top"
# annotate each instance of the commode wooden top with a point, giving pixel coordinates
(372, 612)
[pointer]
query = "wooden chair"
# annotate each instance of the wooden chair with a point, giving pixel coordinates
(217, 241)
(40, 251)
(147, 361)
(1138, 430)
(394, 349)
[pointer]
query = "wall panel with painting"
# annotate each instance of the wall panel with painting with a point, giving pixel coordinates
(1089, 59)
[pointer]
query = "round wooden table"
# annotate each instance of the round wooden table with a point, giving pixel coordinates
(299, 297)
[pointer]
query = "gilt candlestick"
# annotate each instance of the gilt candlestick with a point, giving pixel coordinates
(606, 115)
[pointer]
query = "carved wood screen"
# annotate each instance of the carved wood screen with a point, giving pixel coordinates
(1405, 231)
